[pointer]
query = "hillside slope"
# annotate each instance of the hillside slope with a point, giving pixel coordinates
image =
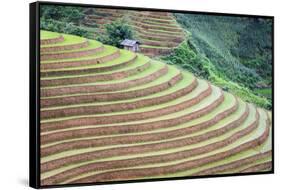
(109, 114)
(158, 32)
(240, 48)
(231, 52)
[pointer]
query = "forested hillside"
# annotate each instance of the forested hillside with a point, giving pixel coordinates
(234, 52)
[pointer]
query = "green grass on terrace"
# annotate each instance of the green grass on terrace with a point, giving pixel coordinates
(161, 27)
(68, 39)
(240, 141)
(213, 127)
(162, 79)
(187, 110)
(90, 29)
(92, 45)
(44, 35)
(175, 33)
(155, 31)
(124, 56)
(156, 47)
(160, 152)
(157, 34)
(186, 81)
(161, 41)
(108, 51)
(154, 19)
(267, 92)
(229, 100)
(161, 37)
(154, 67)
(141, 60)
(207, 101)
(244, 154)
(236, 157)
(172, 24)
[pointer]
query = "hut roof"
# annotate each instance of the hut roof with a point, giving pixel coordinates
(128, 42)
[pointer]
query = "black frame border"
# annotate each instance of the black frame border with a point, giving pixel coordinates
(34, 92)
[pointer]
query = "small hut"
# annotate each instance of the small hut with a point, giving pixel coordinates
(132, 45)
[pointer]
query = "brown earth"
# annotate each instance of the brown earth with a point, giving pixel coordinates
(169, 43)
(150, 32)
(130, 139)
(67, 64)
(160, 38)
(165, 170)
(138, 149)
(158, 27)
(115, 107)
(96, 120)
(64, 47)
(104, 165)
(88, 70)
(258, 167)
(233, 165)
(103, 87)
(51, 40)
(68, 55)
(131, 128)
(140, 19)
(148, 14)
(95, 78)
(155, 51)
(127, 128)
(111, 96)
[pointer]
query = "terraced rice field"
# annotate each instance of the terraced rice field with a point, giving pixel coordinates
(158, 32)
(111, 115)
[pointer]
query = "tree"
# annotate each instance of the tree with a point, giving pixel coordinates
(116, 32)
(62, 13)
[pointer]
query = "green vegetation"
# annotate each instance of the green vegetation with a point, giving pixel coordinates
(156, 47)
(201, 66)
(64, 19)
(62, 13)
(63, 27)
(239, 47)
(48, 35)
(266, 92)
(109, 50)
(140, 61)
(233, 52)
(116, 32)
(68, 39)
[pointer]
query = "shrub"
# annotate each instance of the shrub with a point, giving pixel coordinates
(62, 13)
(116, 32)
(67, 28)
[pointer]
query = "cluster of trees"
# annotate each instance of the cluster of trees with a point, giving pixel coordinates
(63, 27)
(64, 19)
(116, 32)
(62, 13)
(67, 19)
